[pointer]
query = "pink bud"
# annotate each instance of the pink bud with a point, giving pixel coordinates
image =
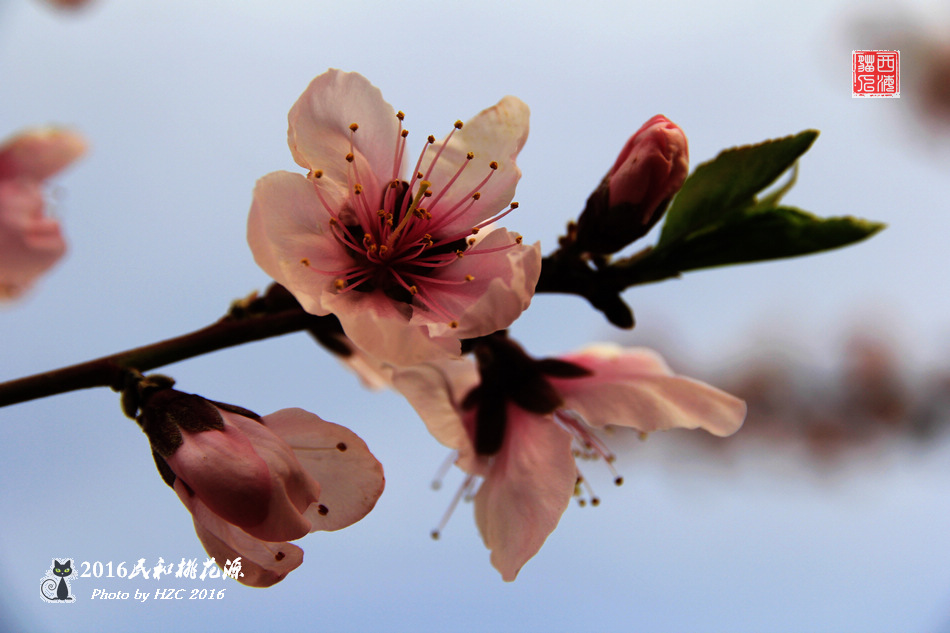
(253, 483)
(651, 167)
(633, 196)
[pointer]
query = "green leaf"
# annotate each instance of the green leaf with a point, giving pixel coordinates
(763, 234)
(729, 183)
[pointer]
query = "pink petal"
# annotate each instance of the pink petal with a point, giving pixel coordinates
(435, 391)
(288, 224)
(38, 154)
(373, 373)
(351, 478)
(382, 327)
(319, 135)
(30, 242)
(293, 489)
(223, 469)
(527, 489)
(262, 563)
(495, 134)
(501, 288)
(635, 388)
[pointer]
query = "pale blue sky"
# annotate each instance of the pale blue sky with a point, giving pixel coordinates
(185, 106)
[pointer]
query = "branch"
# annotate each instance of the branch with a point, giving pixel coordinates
(266, 317)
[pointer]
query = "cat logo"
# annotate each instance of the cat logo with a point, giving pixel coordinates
(53, 590)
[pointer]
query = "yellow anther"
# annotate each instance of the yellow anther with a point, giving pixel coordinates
(431, 139)
(476, 195)
(458, 125)
(471, 241)
(514, 205)
(493, 165)
(318, 173)
(519, 239)
(469, 277)
(413, 290)
(400, 115)
(349, 157)
(339, 284)
(305, 261)
(470, 155)
(354, 127)
(357, 188)
(474, 230)
(428, 194)
(454, 324)
(404, 133)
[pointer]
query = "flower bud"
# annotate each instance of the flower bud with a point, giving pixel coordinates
(253, 483)
(634, 194)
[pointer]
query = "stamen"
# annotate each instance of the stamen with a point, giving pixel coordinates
(354, 179)
(463, 491)
(400, 147)
(423, 186)
(417, 175)
(583, 483)
(589, 445)
(452, 180)
(486, 251)
(453, 213)
(443, 469)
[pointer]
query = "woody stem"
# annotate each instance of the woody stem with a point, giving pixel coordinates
(237, 328)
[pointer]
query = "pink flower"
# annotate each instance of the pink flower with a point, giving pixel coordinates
(252, 484)
(30, 242)
(650, 169)
(68, 4)
(409, 264)
(516, 423)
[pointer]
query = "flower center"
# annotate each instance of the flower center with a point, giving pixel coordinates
(404, 240)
